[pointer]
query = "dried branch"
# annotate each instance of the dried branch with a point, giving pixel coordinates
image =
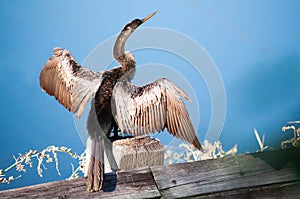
(211, 151)
(46, 155)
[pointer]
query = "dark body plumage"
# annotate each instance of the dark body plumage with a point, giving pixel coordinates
(117, 104)
(105, 91)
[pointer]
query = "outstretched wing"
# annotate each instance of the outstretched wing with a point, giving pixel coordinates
(152, 108)
(71, 84)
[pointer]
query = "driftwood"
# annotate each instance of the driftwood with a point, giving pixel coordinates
(271, 174)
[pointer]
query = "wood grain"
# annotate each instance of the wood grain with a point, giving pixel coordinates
(272, 174)
(138, 152)
(125, 184)
(225, 174)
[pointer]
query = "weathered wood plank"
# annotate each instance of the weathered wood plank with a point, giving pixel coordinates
(283, 190)
(220, 175)
(260, 175)
(125, 184)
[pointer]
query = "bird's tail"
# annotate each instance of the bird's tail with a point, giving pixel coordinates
(94, 171)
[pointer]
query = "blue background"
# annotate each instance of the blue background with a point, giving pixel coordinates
(255, 45)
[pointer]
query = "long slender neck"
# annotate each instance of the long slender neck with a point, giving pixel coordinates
(119, 48)
(124, 58)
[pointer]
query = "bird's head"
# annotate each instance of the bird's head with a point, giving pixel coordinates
(125, 33)
(136, 23)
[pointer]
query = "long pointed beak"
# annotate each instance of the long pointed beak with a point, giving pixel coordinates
(148, 17)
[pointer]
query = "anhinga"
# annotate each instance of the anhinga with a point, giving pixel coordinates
(117, 103)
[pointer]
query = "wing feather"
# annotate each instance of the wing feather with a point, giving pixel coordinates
(71, 84)
(152, 108)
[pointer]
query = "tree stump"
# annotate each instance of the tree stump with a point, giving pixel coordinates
(137, 152)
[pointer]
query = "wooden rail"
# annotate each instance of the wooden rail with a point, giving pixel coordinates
(271, 174)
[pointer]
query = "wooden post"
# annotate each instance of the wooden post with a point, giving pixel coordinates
(138, 152)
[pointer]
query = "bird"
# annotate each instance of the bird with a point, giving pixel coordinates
(116, 103)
